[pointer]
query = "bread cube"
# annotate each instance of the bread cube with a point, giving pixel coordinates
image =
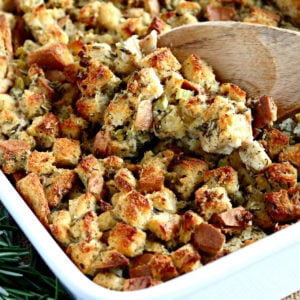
(13, 155)
(186, 259)
(84, 253)
(40, 163)
(211, 201)
(66, 152)
(60, 224)
(59, 185)
(127, 239)
(188, 221)
(45, 129)
(164, 225)
(162, 61)
(32, 191)
(132, 208)
(225, 176)
(81, 205)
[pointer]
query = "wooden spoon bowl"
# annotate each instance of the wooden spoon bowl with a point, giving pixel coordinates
(262, 60)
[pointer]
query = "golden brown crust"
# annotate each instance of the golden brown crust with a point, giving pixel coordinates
(51, 56)
(31, 189)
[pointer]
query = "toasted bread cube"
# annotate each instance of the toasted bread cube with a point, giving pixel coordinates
(162, 61)
(40, 163)
(86, 228)
(118, 111)
(51, 56)
(33, 103)
(90, 171)
(109, 259)
(6, 53)
(132, 208)
(92, 109)
(145, 84)
(66, 152)
(158, 266)
(87, 166)
(211, 201)
(72, 127)
(225, 176)
(84, 253)
(274, 141)
(233, 92)
(254, 156)
(81, 205)
(109, 16)
(32, 191)
(128, 51)
(162, 159)
(226, 126)
(88, 12)
(60, 224)
(10, 122)
(151, 179)
(281, 175)
(198, 71)
(262, 16)
(144, 116)
(125, 180)
(162, 267)
(164, 225)
(127, 239)
(280, 207)
(109, 280)
(291, 154)
(106, 221)
(186, 259)
(44, 26)
(44, 129)
(190, 172)
(13, 155)
(164, 200)
(96, 78)
(59, 185)
(188, 221)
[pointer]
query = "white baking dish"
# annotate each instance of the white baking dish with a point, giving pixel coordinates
(267, 269)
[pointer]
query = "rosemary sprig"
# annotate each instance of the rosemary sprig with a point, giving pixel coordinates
(22, 273)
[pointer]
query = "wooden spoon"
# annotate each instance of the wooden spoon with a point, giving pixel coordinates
(260, 59)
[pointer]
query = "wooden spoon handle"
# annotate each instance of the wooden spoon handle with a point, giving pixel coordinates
(260, 59)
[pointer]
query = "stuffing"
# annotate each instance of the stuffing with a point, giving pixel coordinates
(141, 167)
